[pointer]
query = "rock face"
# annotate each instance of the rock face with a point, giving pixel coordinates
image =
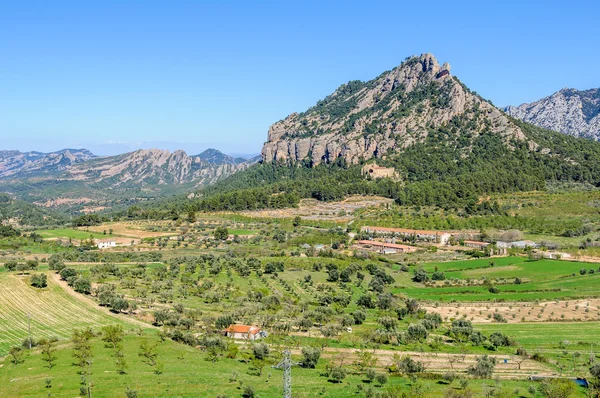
(156, 167)
(567, 111)
(363, 120)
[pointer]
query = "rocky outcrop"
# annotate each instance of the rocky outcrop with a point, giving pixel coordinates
(153, 167)
(363, 120)
(567, 111)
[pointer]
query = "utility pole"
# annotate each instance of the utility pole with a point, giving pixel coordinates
(286, 364)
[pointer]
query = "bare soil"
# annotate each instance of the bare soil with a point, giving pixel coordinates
(515, 312)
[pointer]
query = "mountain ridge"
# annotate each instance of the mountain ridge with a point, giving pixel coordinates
(568, 111)
(141, 173)
(363, 120)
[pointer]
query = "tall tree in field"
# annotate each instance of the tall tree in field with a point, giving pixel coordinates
(48, 347)
(113, 335)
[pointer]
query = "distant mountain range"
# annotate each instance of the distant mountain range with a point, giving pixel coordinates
(78, 177)
(567, 111)
(14, 162)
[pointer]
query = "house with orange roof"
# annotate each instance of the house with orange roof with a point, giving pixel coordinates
(244, 332)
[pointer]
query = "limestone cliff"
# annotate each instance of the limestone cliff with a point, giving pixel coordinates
(363, 120)
(567, 111)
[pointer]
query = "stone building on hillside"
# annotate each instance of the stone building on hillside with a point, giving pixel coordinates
(374, 171)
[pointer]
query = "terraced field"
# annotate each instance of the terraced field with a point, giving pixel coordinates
(53, 311)
(541, 280)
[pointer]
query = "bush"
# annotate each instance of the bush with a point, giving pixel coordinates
(337, 374)
(420, 276)
(370, 375)
(359, 317)
(39, 280)
(310, 357)
(381, 379)
(249, 392)
(67, 273)
(484, 368)
(261, 350)
(417, 332)
(82, 285)
(409, 366)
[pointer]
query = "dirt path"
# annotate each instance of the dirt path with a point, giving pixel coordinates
(83, 298)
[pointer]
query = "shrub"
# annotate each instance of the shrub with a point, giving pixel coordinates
(337, 374)
(370, 374)
(310, 357)
(381, 379)
(484, 368)
(39, 280)
(417, 332)
(359, 317)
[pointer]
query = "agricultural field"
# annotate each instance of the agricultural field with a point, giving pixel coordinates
(51, 311)
(71, 233)
(515, 278)
(304, 282)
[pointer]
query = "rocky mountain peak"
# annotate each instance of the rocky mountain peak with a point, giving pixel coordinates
(362, 120)
(567, 111)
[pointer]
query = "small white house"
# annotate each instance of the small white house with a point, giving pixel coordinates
(244, 332)
(105, 244)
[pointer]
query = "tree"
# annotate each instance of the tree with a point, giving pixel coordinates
(32, 265)
(118, 304)
(595, 371)
(420, 276)
(11, 265)
(370, 375)
(39, 280)
(484, 368)
(381, 379)
(113, 335)
(407, 365)
(260, 351)
(48, 348)
(82, 349)
(67, 273)
(359, 317)
(82, 285)
(337, 374)
(221, 233)
(310, 357)
(16, 354)
(150, 356)
(417, 332)
(557, 388)
(297, 221)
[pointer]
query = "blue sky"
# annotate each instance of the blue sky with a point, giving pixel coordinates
(119, 75)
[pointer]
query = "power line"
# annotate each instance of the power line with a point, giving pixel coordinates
(286, 364)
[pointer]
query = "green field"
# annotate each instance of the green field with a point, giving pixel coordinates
(187, 373)
(541, 279)
(52, 310)
(582, 335)
(241, 231)
(70, 233)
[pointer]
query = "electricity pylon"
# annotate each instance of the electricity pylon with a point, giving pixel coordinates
(286, 364)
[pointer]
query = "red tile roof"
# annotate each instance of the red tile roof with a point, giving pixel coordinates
(242, 329)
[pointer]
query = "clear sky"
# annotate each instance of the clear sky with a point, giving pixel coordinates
(118, 75)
